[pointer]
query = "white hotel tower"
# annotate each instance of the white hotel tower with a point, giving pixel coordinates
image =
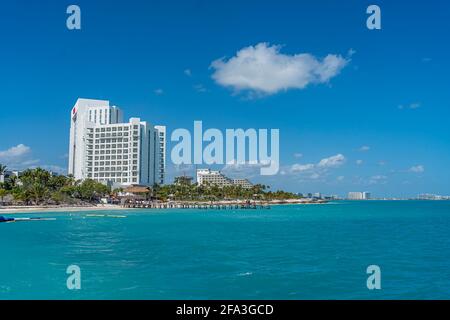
(105, 149)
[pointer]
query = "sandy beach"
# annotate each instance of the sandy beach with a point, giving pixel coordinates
(35, 209)
(104, 207)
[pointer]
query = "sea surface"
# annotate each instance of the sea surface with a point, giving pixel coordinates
(287, 252)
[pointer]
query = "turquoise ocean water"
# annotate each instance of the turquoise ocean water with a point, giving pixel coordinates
(287, 252)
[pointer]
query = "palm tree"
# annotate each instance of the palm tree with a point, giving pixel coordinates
(13, 181)
(2, 169)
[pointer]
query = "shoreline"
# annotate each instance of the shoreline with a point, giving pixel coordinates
(51, 209)
(105, 207)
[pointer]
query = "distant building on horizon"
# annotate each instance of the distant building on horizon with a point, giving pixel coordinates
(358, 196)
(244, 183)
(208, 176)
(106, 149)
(427, 196)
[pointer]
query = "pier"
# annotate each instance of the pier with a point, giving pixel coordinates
(143, 204)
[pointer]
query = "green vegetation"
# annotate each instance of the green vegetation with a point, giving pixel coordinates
(39, 187)
(183, 191)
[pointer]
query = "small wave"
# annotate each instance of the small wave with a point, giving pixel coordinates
(245, 274)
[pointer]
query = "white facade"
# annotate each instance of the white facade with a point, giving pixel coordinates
(108, 150)
(207, 176)
(244, 183)
(358, 196)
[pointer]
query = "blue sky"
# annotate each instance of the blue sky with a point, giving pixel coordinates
(391, 96)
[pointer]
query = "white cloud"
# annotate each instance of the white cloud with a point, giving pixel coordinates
(359, 162)
(188, 72)
(417, 169)
(412, 106)
(340, 178)
(249, 169)
(297, 167)
(264, 70)
(314, 171)
(298, 155)
(332, 162)
(20, 158)
(364, 148)
(159, 91)
(351, 52)
(314, 176)
(17, 157)
(200, 88)
(15, 152)
(378, 179)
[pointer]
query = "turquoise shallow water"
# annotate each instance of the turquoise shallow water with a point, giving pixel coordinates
(288, 252)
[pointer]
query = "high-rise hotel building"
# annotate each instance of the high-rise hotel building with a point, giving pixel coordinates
(108, 150)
